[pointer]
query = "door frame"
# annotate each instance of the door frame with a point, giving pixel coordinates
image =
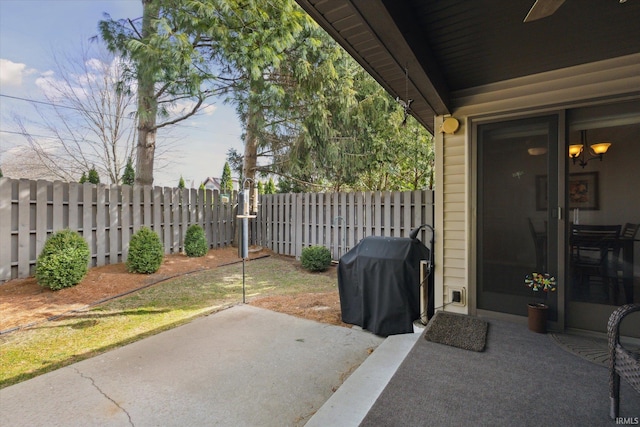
(561, 250)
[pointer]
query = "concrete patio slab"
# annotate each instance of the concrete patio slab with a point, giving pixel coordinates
(243, 366)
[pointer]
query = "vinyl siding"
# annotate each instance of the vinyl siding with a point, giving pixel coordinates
(451, 220)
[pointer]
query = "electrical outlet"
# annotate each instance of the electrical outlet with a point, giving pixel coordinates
(455, 296)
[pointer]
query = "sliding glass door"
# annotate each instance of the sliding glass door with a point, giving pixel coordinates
(604, 214)
(517, 211)
(552, 198)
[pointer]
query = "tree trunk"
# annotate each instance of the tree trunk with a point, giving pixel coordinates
(147, 103)
(145, 153)
(250, 154)
(250, 159)
(251, 140)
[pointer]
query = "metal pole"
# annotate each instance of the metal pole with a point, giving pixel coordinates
(244, 213)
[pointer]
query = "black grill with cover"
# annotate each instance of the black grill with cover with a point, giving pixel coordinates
(379, 284)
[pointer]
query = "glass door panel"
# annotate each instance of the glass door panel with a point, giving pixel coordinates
(604, 212)
(517, 211)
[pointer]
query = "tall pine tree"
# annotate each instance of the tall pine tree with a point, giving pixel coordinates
(128, 177)
(270, 188)
(226, 182)
(93, 176)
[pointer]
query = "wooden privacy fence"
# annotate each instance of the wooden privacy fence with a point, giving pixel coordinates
(105, 215)
(287, 223)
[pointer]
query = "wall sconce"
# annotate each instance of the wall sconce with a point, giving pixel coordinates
(578, 152)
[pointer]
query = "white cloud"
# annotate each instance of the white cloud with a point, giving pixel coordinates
(209, 109)
(11, 73)
(46, 82)
(182, 107)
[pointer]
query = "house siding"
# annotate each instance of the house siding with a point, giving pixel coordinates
(451, 217)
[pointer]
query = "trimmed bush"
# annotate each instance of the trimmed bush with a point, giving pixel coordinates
(63, 260)
(195, 244)
(145, 252)
(315, 258)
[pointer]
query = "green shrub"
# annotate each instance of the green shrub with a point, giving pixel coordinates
(315, 258)
(195, 244)
(145, 252)
(63, 260)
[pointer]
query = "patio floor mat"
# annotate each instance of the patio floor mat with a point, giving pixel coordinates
(593, 349)
(457, 330)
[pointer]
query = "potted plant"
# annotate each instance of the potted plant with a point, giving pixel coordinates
(539, 282)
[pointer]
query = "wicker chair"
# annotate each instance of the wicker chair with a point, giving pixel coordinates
(622, 362)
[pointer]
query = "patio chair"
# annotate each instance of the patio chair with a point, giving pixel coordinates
(615, 270)
(622, 362)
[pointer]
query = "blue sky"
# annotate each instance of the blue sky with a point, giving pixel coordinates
(30, 30)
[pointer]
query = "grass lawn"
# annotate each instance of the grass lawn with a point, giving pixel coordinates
(48, 346)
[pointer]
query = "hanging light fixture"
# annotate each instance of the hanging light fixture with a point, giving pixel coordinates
(578, 152)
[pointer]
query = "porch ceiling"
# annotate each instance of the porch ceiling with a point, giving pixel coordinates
(450, 45)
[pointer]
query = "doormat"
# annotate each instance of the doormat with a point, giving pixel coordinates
(457, 330)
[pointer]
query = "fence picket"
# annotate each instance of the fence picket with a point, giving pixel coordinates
(406, 213)
(137, 208)
(156, 213)
(57, 222)
(335, 218)
(100, 235)
(126, 220)
(6, 237)
(115, 208)
(147, 213)
(42, 215)
(24, 231)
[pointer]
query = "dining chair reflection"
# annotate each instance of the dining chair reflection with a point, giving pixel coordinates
(592, 253)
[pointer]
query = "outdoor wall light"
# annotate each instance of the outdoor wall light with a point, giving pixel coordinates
(578, 152)
(450, 125)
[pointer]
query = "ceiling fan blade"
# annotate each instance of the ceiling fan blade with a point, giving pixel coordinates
(542, 9)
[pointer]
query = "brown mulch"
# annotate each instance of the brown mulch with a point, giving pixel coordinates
(321, 307)
(23, 302)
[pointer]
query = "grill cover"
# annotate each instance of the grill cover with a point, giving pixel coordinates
(379, 284)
